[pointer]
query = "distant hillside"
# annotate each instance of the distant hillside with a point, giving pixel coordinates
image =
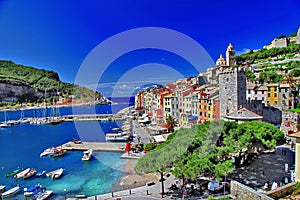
(27, 84)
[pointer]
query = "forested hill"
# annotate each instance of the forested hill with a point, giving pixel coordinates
(28, 84)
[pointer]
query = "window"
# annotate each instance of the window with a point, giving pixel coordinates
(269, 95)
(263, 98)
(275, 94)
(269, 89)
(255, 92)
(255, 98)
(286, 90)
(275, 89)
(275, 102)
(263, 92)
(249, 92)
(208, 115)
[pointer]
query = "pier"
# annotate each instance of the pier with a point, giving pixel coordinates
(96, 146)
(94, 117)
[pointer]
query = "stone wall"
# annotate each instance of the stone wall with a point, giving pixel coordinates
(281, 191)
(242, 192)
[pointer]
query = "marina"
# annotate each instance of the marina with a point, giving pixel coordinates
(79, 177)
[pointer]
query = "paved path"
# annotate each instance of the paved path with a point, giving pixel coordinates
(140, 192)
(142, 135)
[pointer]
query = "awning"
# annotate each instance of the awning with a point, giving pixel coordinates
(159, 138)
(192, 117)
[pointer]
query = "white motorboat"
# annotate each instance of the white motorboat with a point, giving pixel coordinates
(48, 152)
(2, 187)
(117, 137)
(55, 174)
(44, 195)
(87, 155)
(10, 192)
(22, 173)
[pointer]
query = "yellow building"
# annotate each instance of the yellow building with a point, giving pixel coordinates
(272, 94)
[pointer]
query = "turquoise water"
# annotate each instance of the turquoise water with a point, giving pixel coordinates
(21, 146)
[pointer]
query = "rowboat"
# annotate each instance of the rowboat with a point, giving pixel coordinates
(55, 174)
(22, 173)
(40, 173)
(30, 173)
(87, 155)
(12, 173)
(44, 195)
(11, 192)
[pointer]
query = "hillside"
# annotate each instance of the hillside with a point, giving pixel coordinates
(272, 65)
(21, 84)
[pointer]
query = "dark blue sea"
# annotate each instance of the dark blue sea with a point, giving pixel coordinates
(21, 145)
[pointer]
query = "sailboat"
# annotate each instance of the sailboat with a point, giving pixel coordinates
(5, 124)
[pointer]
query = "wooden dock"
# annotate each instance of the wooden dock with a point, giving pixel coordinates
(96, 146)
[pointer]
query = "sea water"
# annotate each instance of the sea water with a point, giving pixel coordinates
(21, 145)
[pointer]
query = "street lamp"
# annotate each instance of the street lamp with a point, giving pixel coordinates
(65, 191)
(225, 184)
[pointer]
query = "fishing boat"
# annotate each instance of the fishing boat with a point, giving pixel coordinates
(87, 155)
(33, 189)
(40, 173)
(55, 174)
(12, 173)
(44, 195)
(117, 137)
(10, 192)
(22, 173)
(2, 188)
(30, 173)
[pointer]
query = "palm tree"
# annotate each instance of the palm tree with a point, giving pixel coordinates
(171, 122)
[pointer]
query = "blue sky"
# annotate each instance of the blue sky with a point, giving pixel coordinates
(59, 35)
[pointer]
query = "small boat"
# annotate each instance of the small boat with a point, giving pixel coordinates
(40, 173)
(49, 151)
(87, 155)
(12, 173)
(2, 187)
(59, 153)
(55, 174)
(30, 173)
(33, 189)
(11, 192)
(44, 195)
(22, 173)
(117, 137)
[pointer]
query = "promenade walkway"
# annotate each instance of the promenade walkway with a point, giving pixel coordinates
(138, 193)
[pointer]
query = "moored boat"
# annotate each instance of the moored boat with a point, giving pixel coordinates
(30, 173)
(10, 192)
(87, 155)
(117, 137)
(40, 173)
(44, 195)
(33, 189)
(55, 174)
(22, 173)
(12, 173)
(2, 188)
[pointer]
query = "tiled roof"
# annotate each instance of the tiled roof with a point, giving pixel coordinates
(244, 114)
